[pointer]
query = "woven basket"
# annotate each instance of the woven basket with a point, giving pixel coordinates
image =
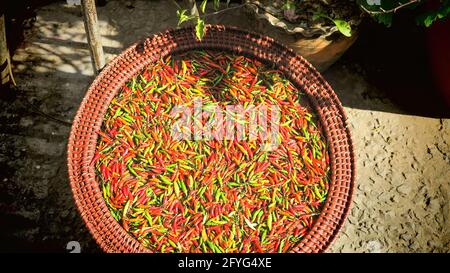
(83, 138)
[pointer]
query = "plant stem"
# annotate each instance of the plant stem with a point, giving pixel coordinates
(176, 4)
(194, 9)
(223, 10)
(382, 11)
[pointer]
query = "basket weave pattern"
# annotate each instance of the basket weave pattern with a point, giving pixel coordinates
(83, 137)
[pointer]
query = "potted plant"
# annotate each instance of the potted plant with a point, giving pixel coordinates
(319, 30)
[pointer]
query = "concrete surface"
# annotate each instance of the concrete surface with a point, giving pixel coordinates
(401, 202)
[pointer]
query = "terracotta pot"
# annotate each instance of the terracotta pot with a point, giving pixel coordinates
(321, 52)
(322, 46)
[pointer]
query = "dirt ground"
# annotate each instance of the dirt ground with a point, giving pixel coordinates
(401, 202)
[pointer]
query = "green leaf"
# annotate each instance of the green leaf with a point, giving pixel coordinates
(319, 14)
(429, 20)
(430, 17)
(385, 19)
(344, 27)
(444, 11)
(200, 29)
(182, 17)
(203, 5)
(316, 16)
(288, 5)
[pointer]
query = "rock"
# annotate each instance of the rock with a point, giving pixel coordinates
(26, 122)
(374, 246)
(404, 189)
(362, 186)
(406, 236)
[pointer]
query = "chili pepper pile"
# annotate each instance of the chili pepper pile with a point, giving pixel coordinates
(178, 195)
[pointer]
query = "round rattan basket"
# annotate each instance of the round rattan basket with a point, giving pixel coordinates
(83, 137)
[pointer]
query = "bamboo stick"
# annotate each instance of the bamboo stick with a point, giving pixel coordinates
(93, 34)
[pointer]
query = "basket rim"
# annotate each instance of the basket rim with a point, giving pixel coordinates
(80, 174)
